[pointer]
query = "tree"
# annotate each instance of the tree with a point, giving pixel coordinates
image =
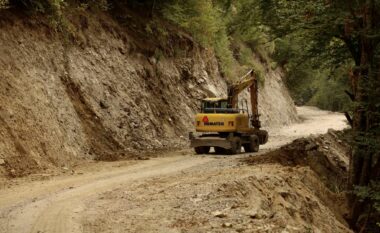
(338, 31)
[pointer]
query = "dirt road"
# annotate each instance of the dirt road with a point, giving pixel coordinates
(180, 192)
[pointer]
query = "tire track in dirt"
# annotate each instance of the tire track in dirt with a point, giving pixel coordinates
(55, 212)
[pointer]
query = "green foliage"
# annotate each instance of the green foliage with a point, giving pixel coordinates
(102, 5)
(333, 34)
(311, 81)
(40, 6)
(329, 92)
(162, 31)
(51, 8)
(247, 59)
(224, 54)
(198, 17)
(204, 21)
(307, 47)
(371, 192)
(213, 24)
(309, 229)
(54, 7)
(315, 75)
(158, 54)
(148, 29)
(244, 55)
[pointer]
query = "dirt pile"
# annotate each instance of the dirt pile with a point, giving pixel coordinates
(104, 89)
(317, 176)
(326, 155)
(298, 188)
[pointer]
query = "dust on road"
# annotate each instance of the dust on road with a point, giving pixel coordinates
(179, 193)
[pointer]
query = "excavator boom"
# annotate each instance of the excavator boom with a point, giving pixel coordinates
(249, 80)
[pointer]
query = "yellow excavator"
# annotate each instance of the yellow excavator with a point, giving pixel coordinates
(226, 127)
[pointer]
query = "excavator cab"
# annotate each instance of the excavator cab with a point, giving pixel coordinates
(217, 105)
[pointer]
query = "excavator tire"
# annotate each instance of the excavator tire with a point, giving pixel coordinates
(219, 150)
(236, 146)
(253, 145)
(202, 150)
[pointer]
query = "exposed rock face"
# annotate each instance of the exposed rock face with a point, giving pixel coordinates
(105, 91)
(275, 104)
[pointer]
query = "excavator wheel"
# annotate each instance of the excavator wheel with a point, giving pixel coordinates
(202, 150)
(236, 146)
(219, 150)
(253, 145)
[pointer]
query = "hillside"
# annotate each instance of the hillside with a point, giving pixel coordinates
(105, 89)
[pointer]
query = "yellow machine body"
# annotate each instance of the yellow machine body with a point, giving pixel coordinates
(222, 122)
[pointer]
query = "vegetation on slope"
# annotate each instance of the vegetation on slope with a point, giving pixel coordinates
(213, 24)
(236, 31)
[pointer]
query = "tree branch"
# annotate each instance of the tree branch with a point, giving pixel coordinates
(352, 97)
(349, 119)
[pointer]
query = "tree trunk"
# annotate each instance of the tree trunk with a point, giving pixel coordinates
(362, 155)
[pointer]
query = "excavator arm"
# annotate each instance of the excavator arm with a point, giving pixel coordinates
(249, 80)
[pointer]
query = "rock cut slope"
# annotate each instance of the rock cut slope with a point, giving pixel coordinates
(104, 89)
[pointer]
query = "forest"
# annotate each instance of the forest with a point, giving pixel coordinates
(328, 49)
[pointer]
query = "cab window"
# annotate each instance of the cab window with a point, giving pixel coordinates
(216, 107)
(224, 104)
